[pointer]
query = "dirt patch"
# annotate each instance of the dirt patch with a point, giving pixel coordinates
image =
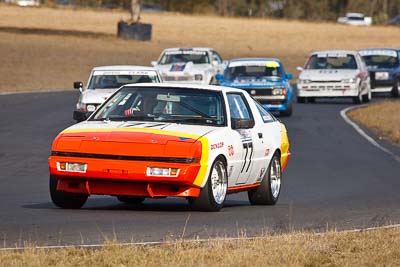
(35, 56)
(382, 118)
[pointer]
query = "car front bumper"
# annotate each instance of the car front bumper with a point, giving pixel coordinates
(125, 177)
(328, 90)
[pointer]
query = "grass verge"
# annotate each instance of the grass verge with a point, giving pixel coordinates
(370, 248)
(45, 48)
(382, 118)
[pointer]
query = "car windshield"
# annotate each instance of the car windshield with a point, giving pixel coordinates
(197, 57)
(271, 70)
(109, 80)
(381, 61)
(334, 61)
(186, 106)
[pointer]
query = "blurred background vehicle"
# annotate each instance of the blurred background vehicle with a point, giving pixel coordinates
(355, 19)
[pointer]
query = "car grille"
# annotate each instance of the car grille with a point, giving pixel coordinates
(259, 91)
(177, 78)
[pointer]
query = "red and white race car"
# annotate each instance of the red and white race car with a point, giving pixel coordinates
(171, 140)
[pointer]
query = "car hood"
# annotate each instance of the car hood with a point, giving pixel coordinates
(132, 138)
(185, 67)
(97, 96)
(327, 75)
(254, 83)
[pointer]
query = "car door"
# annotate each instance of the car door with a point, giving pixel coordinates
(246, 144)
(265, 141)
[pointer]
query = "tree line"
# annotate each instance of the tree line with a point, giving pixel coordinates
(318, 10)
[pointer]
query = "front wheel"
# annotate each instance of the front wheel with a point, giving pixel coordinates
(63, 199)
(213, 194)
(367, 97)
(395, 90)
(301, 99)
(288, 111)
(269, 190)
(357, 99)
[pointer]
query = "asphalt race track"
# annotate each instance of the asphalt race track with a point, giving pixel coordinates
(335, 180)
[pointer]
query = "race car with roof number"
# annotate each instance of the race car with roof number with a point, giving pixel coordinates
(197, 65)
(264, 79)
(384, 69)
(106, 80)
(334, 73)
(170, 140)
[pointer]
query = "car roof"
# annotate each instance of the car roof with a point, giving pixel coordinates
(254, 59)
(124, 67)
(354, 14)
(188, 48)
(352, 52)
(186, 86)
(380, 48)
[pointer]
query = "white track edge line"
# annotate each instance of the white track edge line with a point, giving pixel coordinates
(35, 92)
(158, 243)
(343, 113)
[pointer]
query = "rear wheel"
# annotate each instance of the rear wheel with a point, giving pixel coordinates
(63, 199)
(213, 194)
(269, 190)
(131, 199)
(395, 90)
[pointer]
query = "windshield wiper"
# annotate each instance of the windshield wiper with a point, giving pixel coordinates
(195, 110)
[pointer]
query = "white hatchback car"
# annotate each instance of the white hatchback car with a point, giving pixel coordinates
(104, 81)
(336, 73)
(196, 65)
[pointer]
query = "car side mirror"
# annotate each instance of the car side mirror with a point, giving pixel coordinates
(219, 77)
(215, 62)
(289, 76)
(242, 123)
(153, 63)
(299, 68)
(78, 85)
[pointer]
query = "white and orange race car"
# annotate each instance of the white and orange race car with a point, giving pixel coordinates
(171, 140)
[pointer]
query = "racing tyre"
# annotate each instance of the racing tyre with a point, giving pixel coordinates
(367, 97)
(269, 190)
(213, 194)
(288, 111)
(301, 99)
(131, 199)
(395, 90)
(357, 99)
(65, 200)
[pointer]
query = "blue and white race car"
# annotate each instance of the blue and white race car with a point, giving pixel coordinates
(264, 79)
(384, 69)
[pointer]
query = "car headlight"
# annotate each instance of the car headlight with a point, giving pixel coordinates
(162, 171)
(279, 91)
(91, 108)
(71, 167)
(198, 77)
(352, 80)
(305, 81)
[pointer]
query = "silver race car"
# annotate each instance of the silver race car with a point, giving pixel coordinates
(196, 65)
(334, 74)
(104, 81)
